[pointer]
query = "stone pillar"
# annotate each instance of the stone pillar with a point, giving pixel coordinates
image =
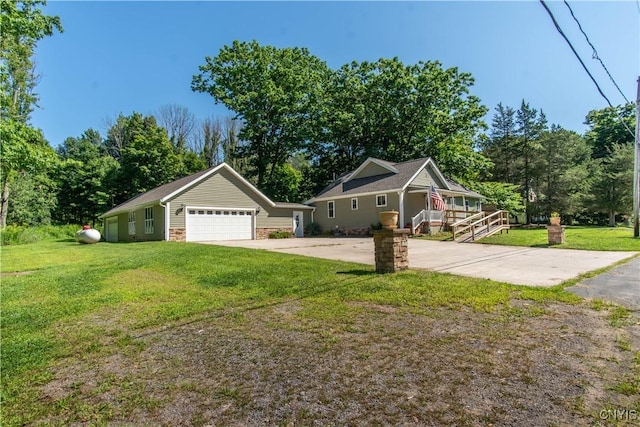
(556, 234)
(391, 249)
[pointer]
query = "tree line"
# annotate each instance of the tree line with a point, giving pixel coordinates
(586, 178)
(297, 125)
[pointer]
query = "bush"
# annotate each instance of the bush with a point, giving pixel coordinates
(313, 229)
(22, 234)
(280, 234)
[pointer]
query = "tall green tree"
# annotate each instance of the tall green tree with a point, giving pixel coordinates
(530, 126)
(501, 145)
(398, 112)
(610, 126)
(22, 24)
(31, 202)
(145, 154)
(564, 181)
(275, 92)
(612, 188)
(85, 179)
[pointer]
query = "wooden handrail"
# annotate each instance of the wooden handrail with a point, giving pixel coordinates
(500, 218)
(457, 223)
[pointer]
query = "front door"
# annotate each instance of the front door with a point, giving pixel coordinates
(298, 224)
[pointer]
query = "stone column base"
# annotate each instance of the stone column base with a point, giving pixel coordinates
(556, 234)
(391, 250)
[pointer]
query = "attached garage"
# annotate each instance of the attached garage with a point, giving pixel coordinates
(214, 204)
(207, 224)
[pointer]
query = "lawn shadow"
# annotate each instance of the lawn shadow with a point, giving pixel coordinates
(358, 272)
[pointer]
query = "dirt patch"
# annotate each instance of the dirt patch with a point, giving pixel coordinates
(16, 273)
(381, 366)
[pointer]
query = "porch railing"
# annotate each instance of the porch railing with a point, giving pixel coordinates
(423, 216)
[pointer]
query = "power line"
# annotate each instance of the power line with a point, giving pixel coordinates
(553, 18)
(595, 52)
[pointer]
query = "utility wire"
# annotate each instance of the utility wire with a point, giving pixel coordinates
(595, 52)
(553, 18)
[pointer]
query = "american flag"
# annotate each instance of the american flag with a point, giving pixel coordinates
(436, 200)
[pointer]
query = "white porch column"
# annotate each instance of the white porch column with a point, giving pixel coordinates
(401, 209)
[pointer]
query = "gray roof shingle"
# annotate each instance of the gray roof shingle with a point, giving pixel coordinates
(343, 187)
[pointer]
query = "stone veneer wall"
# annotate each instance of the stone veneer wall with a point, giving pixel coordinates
(177, 234)
(263, 233)
(180, 234)
(391, 250)
(555, 234)
(353, 232)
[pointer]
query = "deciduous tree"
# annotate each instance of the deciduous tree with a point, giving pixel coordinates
(22, 24)
(276, 94)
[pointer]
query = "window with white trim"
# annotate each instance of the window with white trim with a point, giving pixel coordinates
(381, 200)
(148, 220)
(331, 209)
(132, 223)
(354, 204)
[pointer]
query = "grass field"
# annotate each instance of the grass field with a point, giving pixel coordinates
(90, 334)
(587, 238)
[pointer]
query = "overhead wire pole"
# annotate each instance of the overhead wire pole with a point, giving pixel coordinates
(636, 166)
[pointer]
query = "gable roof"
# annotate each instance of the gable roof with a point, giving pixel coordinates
(349, 185)
(166, 192)
(371, 160)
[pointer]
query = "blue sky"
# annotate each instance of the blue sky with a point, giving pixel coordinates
(121, 57)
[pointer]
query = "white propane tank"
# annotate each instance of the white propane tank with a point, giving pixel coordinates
(88, 236)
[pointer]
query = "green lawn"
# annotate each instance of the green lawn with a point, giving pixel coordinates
(587, 238)
(49, 314)
(66, 304)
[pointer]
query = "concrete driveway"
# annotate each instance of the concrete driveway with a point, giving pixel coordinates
(511, 264)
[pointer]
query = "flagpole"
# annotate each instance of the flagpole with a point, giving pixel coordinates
(429, 209)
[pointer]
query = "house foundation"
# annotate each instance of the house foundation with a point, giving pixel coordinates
(263, 233)
(391, 250)
(177, 235)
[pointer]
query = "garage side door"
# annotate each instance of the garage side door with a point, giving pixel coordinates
(219, 224)
(112, 230)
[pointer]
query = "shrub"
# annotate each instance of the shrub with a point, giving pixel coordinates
(313, 229)
(280, 234)
(22, 234)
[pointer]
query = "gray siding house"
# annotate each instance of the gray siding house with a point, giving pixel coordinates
(351, 204)
(214, 204)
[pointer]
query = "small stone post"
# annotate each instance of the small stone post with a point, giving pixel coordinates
(556, 234)
(391, 249)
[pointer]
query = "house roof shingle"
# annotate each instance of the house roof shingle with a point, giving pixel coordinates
(344, 186)
(165, 191)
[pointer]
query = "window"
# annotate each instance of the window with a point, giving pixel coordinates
(381, 200)
(148, 220)
(331, 209)
(132, 223)
(466, 205)
(354, 204)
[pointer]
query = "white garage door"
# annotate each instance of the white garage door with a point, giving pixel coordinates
(219, 224)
